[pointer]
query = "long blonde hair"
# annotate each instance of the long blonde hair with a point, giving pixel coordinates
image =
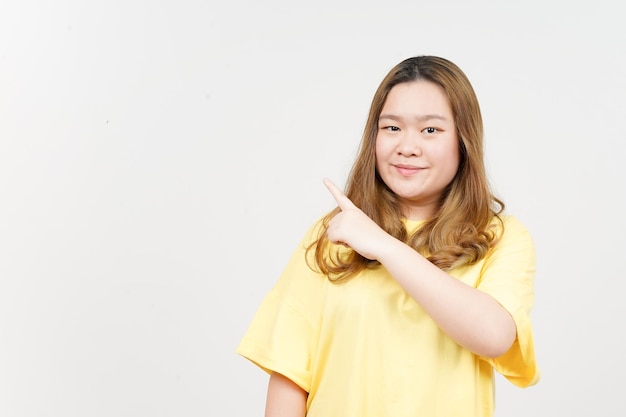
(461, 231)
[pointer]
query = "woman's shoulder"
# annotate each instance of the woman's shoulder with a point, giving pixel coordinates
(512, 232)
(510, 223)
(313, 231)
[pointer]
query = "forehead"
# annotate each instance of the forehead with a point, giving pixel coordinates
(418, 98)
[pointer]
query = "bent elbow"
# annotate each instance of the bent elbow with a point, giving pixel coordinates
(497, 350)
(499, 342)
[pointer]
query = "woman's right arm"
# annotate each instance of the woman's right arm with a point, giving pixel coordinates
(284, 398)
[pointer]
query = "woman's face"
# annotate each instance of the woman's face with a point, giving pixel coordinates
(417, 151)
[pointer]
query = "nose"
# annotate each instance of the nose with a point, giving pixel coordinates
(410, 144)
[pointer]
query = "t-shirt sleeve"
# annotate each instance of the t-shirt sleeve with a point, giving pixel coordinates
(283, 333)
(508, 276)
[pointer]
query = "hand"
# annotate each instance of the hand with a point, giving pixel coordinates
(351, 227)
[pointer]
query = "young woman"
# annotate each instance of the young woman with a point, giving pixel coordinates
(403, 300)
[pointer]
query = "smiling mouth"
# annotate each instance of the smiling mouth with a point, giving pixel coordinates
(408, 170)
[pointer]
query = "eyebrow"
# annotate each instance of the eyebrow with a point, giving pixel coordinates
(419, 118)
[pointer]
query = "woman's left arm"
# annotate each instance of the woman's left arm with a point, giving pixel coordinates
(472, 318)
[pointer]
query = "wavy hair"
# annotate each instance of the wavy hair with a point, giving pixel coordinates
(462, 228)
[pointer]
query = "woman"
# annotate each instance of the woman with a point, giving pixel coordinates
(404, 299)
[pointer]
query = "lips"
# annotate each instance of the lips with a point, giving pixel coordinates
(407, 170)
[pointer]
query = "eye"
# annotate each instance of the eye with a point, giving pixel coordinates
(430, 130)
(391, 128)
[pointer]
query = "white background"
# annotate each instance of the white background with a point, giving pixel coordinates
(159, 161)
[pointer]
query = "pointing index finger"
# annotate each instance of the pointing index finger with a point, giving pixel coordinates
(341, 199)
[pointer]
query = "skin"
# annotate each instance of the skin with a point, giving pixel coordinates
(284, 398)
(417, 152)
(417, 157)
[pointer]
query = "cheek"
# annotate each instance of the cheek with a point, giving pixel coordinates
(450, 157)
(383, 148)
(378, 151)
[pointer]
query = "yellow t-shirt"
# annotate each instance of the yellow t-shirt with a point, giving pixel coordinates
(365, 348)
